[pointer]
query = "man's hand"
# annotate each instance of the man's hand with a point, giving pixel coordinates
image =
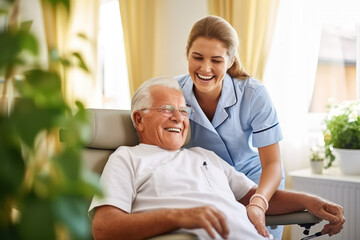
(206, 217)
(329, 211)
(257, 218)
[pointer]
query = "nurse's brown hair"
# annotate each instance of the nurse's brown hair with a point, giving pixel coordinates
(217, 28)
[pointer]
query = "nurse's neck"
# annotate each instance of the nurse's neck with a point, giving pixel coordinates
(208, 102)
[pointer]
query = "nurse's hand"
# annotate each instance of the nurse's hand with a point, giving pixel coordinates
(256, 216)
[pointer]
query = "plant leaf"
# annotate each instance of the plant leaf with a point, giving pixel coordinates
(83, 36)
(72, 211)
(26, 25)
(37, 219)
(69, 164)
(12, 168)
(81, 62)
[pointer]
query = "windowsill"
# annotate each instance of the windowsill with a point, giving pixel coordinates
(331, 174)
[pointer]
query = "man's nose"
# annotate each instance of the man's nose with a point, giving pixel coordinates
(177, 116)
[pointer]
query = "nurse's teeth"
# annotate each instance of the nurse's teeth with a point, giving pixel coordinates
(205, 77)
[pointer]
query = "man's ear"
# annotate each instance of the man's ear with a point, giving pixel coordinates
(138, 121)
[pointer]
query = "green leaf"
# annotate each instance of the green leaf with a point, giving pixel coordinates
(12, 44)
(9, 48)
(44, 88)
(81, 62)
(9, 232)
(65, 3)
(3, 11)
(90, 185)
(82, 36)
(12, 168)
(26, 25)
(77, 130)
(72, 212)
(28, 42)
(65, 62)
(69, 164)
(29, 119)
(37, 219)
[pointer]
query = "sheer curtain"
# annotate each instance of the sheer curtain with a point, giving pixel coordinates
(62, 33)
(290, 75)
(254, 21)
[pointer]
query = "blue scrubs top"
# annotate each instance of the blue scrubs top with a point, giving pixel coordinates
(245, 119)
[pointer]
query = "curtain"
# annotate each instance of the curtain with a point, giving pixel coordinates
(139, 25)
(254, 21)
(71, 32)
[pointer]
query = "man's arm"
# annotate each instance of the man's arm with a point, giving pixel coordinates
(286, 201)
(112, 223)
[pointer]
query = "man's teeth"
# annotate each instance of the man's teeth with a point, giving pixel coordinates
(205, 77)
(173, 130)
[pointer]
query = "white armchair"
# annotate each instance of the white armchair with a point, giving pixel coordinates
(114, 128)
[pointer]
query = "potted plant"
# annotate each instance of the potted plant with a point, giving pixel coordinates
(45, 192)
(342, 136)
(316, 160)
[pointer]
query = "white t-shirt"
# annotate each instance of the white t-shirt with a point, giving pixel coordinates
(147, 177)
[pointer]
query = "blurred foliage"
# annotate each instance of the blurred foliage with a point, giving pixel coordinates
(65, 3)
(44, 191)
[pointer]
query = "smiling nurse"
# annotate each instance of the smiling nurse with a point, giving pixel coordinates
(233, 113)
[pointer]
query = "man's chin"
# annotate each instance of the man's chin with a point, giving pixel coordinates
(173, 146)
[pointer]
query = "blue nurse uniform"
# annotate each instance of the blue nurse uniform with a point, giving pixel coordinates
(245, 119)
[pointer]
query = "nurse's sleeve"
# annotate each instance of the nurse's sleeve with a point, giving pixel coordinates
(117, 182)
(264, 119)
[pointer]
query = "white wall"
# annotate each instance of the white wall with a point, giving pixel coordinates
(175, 19)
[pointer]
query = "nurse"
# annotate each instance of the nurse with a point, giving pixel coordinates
(233, 113)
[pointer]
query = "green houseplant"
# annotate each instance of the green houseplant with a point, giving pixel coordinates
(44, 191)
(342, 128)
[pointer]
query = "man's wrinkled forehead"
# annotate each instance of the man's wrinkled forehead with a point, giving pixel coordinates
(165, 95)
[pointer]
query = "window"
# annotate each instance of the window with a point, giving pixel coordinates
(294, 66)
(113, 76)
(336, 69)
(336, 79)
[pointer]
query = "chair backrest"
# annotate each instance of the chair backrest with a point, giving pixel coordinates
(109, 130)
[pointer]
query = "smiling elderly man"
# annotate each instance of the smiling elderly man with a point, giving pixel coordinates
(158, 187)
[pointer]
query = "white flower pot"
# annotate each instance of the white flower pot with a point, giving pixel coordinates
(317, 167)
(348, 160)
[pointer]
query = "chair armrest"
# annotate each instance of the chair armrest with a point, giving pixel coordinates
(175, 236)
(303, 217)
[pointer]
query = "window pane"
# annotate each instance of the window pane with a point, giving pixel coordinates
(336, 71)
(113, 75)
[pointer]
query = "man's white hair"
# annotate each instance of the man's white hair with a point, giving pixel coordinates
(142, 97)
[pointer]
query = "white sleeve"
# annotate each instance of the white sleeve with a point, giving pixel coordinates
(117, 182)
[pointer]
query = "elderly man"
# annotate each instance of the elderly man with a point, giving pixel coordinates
(157, 187)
